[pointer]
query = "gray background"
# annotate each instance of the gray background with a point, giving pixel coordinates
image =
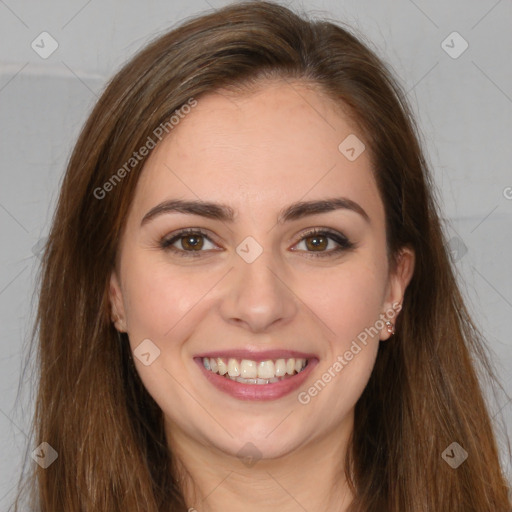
(463, 106)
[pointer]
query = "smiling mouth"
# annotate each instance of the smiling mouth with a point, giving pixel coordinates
(247, 371)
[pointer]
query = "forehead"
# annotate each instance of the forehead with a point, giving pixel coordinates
(277, 144)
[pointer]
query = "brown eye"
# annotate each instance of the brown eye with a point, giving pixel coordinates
(193, 242)
(189, 242)
(318, 242)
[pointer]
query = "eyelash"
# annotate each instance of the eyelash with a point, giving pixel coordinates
(344, 244)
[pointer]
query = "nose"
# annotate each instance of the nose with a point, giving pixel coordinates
(257, 296)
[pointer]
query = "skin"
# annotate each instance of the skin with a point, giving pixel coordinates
(258, 153)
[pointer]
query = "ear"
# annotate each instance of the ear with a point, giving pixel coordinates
(398, 282)
(116, 303)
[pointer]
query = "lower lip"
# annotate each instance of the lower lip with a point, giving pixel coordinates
(271, 391)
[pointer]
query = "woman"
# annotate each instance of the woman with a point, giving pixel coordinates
(246, 301)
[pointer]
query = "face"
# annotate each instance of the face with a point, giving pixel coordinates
(255, 288)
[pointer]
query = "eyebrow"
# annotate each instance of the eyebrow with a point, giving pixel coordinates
(225, 213)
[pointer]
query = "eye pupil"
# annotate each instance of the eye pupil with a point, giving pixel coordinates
(316, 242)
(196, 243)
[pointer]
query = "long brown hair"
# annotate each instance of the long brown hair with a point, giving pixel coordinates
(423, 394)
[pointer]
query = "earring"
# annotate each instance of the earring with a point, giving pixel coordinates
(391, 327)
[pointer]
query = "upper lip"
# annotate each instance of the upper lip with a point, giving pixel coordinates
(257, 355)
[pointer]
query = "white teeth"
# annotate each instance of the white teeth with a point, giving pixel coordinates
(266, 369)
(247, 371)
(255, 381)
(222, 367)
(233, 368)
(280, 368)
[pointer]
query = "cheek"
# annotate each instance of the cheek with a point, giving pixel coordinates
(347, 299)
(162, 305)
(158, 296)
